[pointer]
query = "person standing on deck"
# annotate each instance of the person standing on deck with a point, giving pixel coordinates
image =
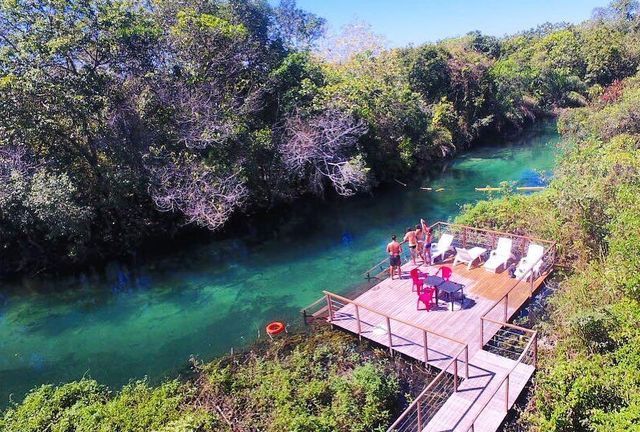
(410, 237)
(427, 242)
(394, 249)
(420, 236)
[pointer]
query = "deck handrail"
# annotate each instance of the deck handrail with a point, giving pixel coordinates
(417, 401)
(400, 320)
(488, 231)
(533, 341)
(550, 251)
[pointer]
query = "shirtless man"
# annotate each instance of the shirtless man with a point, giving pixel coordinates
(394, 249)
(410, 237)
(420, 241)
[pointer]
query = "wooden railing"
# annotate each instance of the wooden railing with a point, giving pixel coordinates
(315, 310)
(507, 341)
(547, 260)
(466, 236)
(430, 400)
(528, 356)
(336, 302)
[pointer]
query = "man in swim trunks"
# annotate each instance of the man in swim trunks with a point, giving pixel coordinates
(394, 249)
(410, 237)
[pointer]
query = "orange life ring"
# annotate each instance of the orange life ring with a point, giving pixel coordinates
(275, 328)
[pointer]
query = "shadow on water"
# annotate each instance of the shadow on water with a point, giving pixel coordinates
(146, 318)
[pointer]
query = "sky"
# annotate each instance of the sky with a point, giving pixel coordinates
(416, 21)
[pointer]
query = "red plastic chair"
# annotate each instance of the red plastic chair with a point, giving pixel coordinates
(417, 282)
(426, 298)
(445, 273)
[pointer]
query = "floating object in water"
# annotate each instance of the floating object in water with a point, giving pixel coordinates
(488, 189)
(439, 189)
(399, 182)
(521, 188)
(531, 188)
(274, 328)
(426, 188)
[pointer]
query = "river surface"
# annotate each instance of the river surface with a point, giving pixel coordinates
(127, 321)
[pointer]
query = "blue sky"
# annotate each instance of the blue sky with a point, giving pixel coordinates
(416, 21)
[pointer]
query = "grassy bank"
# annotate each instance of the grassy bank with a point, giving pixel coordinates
(590, 370)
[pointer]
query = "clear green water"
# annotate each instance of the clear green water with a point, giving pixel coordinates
(129, 322)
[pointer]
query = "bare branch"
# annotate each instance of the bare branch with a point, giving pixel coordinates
(321, 148)
(184, 183)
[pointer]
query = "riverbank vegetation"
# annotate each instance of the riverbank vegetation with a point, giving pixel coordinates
(320, 381)
(590, 375)
(121, 121)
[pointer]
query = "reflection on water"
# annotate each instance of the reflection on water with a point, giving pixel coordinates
(146, 320)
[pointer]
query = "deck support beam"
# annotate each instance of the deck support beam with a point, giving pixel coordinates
(506, 396)
(389, 334)
(359, 325)
(426, 347)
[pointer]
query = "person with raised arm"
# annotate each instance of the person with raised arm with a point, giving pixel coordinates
(427, 243)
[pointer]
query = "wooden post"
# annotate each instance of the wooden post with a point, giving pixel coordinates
(506, 396)
(304, 316)
(389, 334)
(531, 289)
(426, 348)
(535, 350)
(464, 237)
(481, 333)
(419, 415)
(329, 307)
(466, 361)
(358, 320)
(455, 374)
(506, 307)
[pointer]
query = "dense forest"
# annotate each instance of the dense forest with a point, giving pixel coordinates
(121, 120)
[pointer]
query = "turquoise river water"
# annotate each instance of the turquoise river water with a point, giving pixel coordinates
(127, 321)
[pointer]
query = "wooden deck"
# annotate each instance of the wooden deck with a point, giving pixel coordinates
(480, 399)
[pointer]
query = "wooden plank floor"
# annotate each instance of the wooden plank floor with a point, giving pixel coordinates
(482, 290)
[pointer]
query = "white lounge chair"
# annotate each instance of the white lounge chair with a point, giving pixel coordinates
(442, 247)
(468, 256)
(529, 266)
(500, 256)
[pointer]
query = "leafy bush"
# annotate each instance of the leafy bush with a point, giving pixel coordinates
(86, 406)
(322, 382)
